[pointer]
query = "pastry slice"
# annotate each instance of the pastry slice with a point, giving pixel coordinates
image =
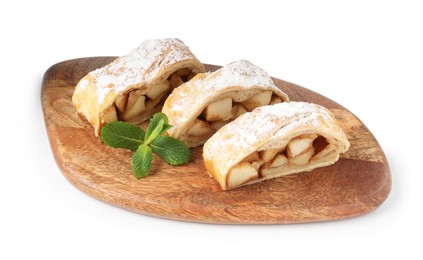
(273, 141)
(133, 87)
(200, 107)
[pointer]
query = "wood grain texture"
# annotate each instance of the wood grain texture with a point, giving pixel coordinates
(358, 183)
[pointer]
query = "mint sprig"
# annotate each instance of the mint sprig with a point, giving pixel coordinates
(128, 136)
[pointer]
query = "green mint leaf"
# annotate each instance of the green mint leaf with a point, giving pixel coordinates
(122, 135)
(155, 133)
(141, 161)
(173, 151)
(156, 126)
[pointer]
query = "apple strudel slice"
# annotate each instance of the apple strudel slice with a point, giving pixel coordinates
(133, 87)
(198, 108)
(273, 141)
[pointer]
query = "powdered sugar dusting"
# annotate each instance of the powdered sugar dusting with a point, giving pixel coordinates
(242, 74)
(83, 84)
(139, 66)
(303, 115)
(262, 126)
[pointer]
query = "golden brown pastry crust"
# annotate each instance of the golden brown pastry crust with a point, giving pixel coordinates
(272, 127)
(239, 80)
(151, 63)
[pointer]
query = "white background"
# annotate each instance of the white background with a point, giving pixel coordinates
(366, 55)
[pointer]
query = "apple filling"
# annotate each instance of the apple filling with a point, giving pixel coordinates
(131, 106)
(222, 111)
(299, 152)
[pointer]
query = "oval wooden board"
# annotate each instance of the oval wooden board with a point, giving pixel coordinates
(358, 183)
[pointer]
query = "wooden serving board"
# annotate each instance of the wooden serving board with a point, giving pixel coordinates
(358, 183)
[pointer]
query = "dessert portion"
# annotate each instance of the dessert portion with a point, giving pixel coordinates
(133, 87)
(273, 141)
(200, 107)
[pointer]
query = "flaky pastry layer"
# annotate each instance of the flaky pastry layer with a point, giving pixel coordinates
(273, 141)
(193, 108)
(102, 95)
